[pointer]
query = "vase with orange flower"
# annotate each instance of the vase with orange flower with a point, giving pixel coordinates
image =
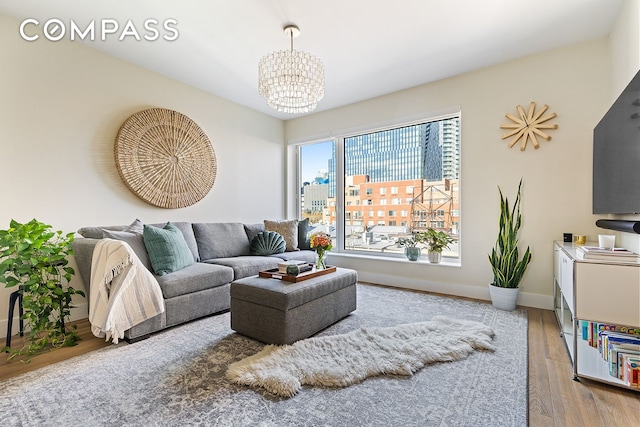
(321, 244)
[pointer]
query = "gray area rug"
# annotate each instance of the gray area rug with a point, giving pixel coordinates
(177, 377)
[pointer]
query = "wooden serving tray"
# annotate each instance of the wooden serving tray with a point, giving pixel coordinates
(274, 273)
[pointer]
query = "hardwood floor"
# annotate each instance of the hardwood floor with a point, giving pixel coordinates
(15, 367)
(555, 400)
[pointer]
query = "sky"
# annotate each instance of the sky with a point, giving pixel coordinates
(314, 158)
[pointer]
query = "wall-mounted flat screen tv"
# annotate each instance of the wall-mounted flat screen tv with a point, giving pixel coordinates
(616, 155)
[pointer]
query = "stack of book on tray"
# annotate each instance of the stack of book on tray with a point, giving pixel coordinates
(615, 254)
(302, 266)
(619, 346)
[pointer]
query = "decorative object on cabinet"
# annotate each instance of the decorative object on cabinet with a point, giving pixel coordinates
(35, 260)
(528, 126)
(165, 158)
(507, 266)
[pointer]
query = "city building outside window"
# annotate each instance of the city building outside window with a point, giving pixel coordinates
(419, 164)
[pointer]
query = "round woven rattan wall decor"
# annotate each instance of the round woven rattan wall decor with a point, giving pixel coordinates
(165, 158)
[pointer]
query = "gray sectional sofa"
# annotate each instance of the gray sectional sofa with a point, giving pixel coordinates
(221, 254)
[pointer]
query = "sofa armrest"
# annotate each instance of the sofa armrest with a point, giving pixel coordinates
(83, 253)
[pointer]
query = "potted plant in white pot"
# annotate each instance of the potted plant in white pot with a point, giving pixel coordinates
(507, 265)
(436, 241)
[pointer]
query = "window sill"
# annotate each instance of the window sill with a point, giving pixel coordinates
(423, 260)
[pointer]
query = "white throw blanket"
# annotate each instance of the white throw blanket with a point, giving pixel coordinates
(123, 292)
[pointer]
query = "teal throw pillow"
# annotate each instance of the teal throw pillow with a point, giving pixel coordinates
(167, 248)
(304, 242)
(268, 243)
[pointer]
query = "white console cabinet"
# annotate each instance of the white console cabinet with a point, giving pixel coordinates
(595, 291)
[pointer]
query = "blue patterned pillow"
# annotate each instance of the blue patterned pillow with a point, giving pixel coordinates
(167, 248)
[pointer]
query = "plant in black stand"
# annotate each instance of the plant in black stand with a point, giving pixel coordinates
(507, 265)
(34, 259)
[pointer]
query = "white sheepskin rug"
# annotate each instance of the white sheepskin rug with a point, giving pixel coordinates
(342, 360)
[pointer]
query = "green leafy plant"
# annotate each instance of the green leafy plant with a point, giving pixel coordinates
(35, 259)
(436, 241)
(408, 242)
(508, 268)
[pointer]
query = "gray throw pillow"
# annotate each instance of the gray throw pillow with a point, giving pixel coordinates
(135, 227)
(135, 241)
(97, 232)
(167, 248)
(221, 240)
(253, 230)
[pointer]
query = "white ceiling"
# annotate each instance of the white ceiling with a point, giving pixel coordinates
(369, 47)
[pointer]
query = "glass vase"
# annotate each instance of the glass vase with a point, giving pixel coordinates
(321, 260)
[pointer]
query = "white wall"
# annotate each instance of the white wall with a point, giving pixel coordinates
(625, 63)
(574, 82)
(61, 106)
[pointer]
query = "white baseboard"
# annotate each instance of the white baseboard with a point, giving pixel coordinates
(79, 311)
(524, 299)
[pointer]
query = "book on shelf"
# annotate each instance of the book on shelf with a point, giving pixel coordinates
(615, 254)
(614, 346)
(619, 348)
(617, 354)
(631, 371)
(609, 337)
(618, 328)
(592, 331)
(623, 359)
(584, 328)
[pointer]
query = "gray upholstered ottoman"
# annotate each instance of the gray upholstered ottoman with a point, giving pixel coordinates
(279, 312)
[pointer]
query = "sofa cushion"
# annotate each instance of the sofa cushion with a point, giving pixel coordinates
(194, 278)
(287, 228)
(135, 241)
(167, 248)
(244, 266)
(267, 243)
(221, 240)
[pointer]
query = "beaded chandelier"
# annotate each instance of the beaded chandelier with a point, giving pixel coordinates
(291, 81)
